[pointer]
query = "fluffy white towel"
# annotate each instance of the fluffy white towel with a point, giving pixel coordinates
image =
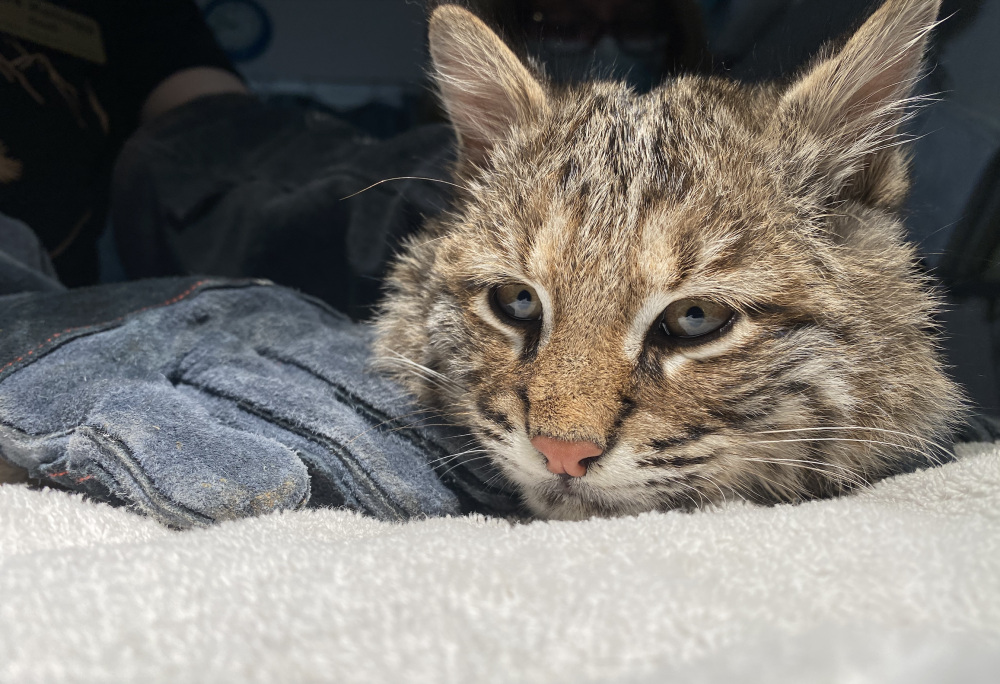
(900, 583)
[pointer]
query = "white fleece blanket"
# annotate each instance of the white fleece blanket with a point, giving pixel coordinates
(900, 583)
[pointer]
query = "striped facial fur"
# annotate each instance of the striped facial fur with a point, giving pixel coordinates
(699, 294)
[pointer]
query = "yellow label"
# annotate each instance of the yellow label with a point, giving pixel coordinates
(54, 27)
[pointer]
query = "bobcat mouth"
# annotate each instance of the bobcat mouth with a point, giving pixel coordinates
(558, 488)
(560, 500)
(565, 484)
(584, 498)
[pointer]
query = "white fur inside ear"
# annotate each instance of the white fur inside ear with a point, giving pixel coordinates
(866, 83)
(483, 85)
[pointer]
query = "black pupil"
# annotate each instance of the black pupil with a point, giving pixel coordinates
(524, 296)
(695, 312)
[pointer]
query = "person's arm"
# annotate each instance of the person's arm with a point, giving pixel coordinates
(164, 56)
(186, 85)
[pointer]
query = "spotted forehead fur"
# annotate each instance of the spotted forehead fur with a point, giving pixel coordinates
(615, 195)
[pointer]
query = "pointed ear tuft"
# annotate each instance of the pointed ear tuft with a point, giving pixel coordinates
(855, 100)
(485, 88)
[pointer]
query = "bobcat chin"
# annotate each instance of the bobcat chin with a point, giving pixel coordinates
(698, 294)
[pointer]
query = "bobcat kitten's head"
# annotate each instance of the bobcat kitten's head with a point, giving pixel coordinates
(641, 302)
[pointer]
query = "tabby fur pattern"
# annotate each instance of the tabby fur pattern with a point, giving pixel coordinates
(778, 201)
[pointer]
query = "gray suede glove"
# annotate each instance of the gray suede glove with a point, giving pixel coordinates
(202, 400)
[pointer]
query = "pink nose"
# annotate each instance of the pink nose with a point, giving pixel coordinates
(566, 457)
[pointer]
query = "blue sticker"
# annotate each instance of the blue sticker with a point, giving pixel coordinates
(242, 27)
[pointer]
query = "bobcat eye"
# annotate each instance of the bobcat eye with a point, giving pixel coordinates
(518, 301)
(688, 318)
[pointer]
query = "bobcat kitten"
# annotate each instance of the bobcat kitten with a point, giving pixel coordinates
(703, 293)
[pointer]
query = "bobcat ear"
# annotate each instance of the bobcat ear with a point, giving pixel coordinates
(484, 86)
(854, 101)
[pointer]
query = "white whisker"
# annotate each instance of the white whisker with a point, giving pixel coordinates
(386, 180)
(918, 438)
(847, 475)
(833, 439)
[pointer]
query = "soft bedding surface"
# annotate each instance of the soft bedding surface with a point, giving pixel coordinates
(900, 583)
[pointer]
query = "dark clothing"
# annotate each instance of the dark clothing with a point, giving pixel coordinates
(231, 186)
(65, 117)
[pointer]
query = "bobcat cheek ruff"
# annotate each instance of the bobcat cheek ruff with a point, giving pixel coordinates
(652, 301)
